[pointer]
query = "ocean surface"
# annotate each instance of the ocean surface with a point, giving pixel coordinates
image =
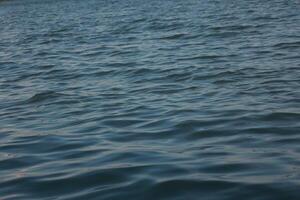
(146, 100)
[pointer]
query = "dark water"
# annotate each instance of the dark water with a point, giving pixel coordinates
(136, 99)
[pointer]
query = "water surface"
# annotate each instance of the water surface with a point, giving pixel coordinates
(136, 99)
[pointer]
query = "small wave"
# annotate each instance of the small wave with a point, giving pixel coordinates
(287, 45)
(232, 27)
(281, 116)
(43, 96)
(206, 57)
(183, 187)
(173, 37)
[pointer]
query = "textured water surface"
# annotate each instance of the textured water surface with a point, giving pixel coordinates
(136, 99)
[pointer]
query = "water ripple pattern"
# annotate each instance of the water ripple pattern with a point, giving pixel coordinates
(136, 99)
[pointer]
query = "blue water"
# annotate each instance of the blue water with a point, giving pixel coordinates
(136, 99)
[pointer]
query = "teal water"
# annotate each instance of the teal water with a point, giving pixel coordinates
(136, 99)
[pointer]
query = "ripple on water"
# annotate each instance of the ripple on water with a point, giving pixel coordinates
(149, 100)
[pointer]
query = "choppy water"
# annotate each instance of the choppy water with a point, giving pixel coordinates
(136, 99)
